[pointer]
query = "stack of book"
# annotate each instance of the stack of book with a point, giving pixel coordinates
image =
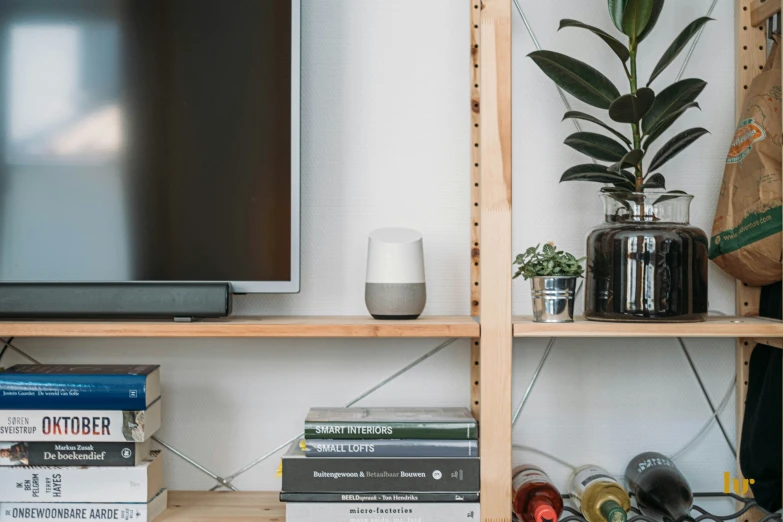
(384, 464)
(75, 443)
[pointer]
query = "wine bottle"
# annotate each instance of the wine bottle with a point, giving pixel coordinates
(534, 497)
(660, 489)
(598, 495)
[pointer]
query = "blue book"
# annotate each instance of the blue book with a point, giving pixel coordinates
(79, 387)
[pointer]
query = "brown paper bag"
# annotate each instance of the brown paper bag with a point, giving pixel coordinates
(746, 233)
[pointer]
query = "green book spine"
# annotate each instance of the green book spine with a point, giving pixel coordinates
(395, 430)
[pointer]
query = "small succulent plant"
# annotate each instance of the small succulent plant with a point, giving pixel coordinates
(550, 261)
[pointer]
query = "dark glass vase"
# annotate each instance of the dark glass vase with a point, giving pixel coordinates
(646, 262)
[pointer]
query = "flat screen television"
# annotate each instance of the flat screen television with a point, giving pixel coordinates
(150, 141)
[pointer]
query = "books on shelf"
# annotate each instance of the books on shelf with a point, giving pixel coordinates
(75, 443)
(384, 464)
(350, 474)
(31, 425)
(79, 387)
(137, 484)
(390, 423)
(391, 448)
(380, 497)
(68, 512)
(349, 512)
(74, 453)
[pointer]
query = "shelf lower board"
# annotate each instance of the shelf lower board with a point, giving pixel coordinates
(718, 326)
(293, 326)
(212, 506)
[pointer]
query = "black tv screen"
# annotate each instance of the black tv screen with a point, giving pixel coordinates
(150, 140)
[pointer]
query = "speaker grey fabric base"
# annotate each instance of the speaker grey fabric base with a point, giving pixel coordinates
(395, 301)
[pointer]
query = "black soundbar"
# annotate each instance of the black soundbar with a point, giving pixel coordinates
(114, 300)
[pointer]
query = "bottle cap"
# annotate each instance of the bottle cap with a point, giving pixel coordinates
(613, 512)
(545, 513)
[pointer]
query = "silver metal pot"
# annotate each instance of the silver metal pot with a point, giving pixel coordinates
(553, 298)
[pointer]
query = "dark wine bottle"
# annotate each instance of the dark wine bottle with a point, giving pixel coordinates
(660, 489)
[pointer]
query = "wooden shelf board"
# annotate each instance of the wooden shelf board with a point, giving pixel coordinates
(304, 326)
(761, 10)
(216, 506)
(719, 326)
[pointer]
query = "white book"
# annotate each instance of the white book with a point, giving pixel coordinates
(80, 425)
(382, 512)
(88, 484)
(68, 512)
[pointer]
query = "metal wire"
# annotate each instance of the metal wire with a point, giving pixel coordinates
(226, 481)
(349, 404)
(195, 464)
(533, 380)
(694, 44)
(707, 396)
(5, 347)
(707, 424)
(536, 43)
(545, 454)
(748, 503)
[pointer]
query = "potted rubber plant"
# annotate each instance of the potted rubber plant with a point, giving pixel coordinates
(646, 262)
(553, 275)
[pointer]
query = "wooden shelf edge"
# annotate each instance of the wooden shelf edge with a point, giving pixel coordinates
(217, 506)
(279, 327)
(761, 10)
(728, 327)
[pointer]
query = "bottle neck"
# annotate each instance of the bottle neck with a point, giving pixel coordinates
(542, 510)
(613, 512)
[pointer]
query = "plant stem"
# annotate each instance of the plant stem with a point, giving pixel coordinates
(637, 138)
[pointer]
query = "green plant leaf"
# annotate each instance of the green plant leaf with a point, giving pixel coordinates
(577, 78)
(596, 146)
(677, 46)
(632, 159)
(636, 17)
(632, 108)
(616, 45)
(594, 173)
(616, 10)
(656, 13)
(576, 115)
(664, 124)
(672, 194)
(655, 181)
(676, 145)
(670, 100)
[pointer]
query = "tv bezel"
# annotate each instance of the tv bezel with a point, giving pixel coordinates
(291, 286)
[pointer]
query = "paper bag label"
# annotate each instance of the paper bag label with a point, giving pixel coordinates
(748, 133)
(754, 227)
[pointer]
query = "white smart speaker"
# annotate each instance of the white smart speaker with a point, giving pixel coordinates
(395, 287)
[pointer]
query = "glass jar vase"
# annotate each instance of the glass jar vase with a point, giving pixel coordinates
(646, 262)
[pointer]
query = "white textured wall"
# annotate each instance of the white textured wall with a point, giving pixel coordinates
(386, 142)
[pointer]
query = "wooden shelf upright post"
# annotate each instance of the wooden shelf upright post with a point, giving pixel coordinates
(491, 30)
(751, 48)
